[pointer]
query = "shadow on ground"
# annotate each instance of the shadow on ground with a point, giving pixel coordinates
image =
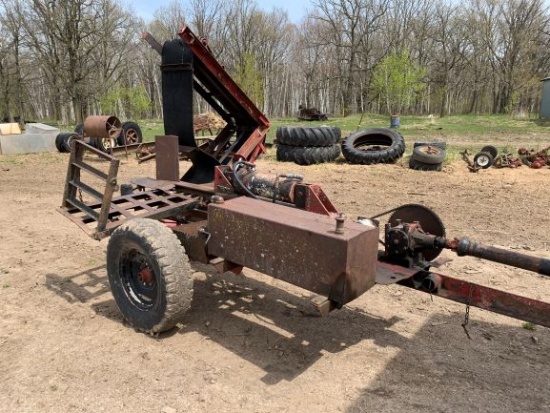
(265, 325)
(502, 369)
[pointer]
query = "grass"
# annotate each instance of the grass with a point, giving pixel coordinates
(528, 326)
(425, 127)
(461, 132)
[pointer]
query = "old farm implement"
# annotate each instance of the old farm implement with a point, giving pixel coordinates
(226, 213)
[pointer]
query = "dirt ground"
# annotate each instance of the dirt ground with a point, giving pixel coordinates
(252, 344)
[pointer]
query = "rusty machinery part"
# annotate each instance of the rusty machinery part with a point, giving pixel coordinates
(102, 126)
(375, 145)
(415, 234)
(235, 228)
(535, 159)
(131, 134)
(145, 152)
(247, 181)
(472, 167)
(466, 247)
(538, 163)
(327, 255)
(188, 65)
(309, 114)
(402, 222)
(507, 161)
(484, 160)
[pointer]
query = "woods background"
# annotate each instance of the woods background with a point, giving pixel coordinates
(62, 60)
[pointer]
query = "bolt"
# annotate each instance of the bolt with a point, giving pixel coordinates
(217, 199)
(340, 219)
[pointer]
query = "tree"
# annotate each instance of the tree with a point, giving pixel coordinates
(249, 78)
(398, 80)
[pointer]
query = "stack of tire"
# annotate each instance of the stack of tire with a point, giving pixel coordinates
(307, 146)
(428, 156)
(130, 134)
(372, 146)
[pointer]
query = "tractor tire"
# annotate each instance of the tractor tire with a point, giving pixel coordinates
(282, 153)
(308, 155)
(376, 145)
(437, 144)
(59, 139)
(67, 139)
(132, 132)
(429, 154)
(421, 166)
(491, 149)
(306, 137)
(149, 274)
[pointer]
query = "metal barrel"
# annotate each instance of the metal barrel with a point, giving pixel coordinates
(102, 126)
(515, 259)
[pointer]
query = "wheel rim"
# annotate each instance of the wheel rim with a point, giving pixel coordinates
(430, 150)
(108, 143)
(138, 279)
(131, 136)
(483, 161)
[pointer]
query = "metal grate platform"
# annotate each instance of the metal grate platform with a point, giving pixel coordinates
(101, 213)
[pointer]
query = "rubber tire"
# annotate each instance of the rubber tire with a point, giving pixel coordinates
(491, 149)
(133, 131)
(435, 156)
(166, 257)
(421, 166)
(373, 137)
(59, 139)
(67, 140)
(308, 155)
(79, 129)
(303, 136)
(488, 157)
(437, 144)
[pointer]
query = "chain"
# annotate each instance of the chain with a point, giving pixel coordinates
(80, 194)
(467, 314)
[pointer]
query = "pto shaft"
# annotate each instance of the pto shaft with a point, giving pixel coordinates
(466, 247)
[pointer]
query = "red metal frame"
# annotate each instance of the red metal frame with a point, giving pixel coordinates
(465, 292)
(213, 77)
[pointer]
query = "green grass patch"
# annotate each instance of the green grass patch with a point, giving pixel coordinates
(507, 133)
(528, 326)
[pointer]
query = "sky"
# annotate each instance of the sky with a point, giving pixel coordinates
(296, 8)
